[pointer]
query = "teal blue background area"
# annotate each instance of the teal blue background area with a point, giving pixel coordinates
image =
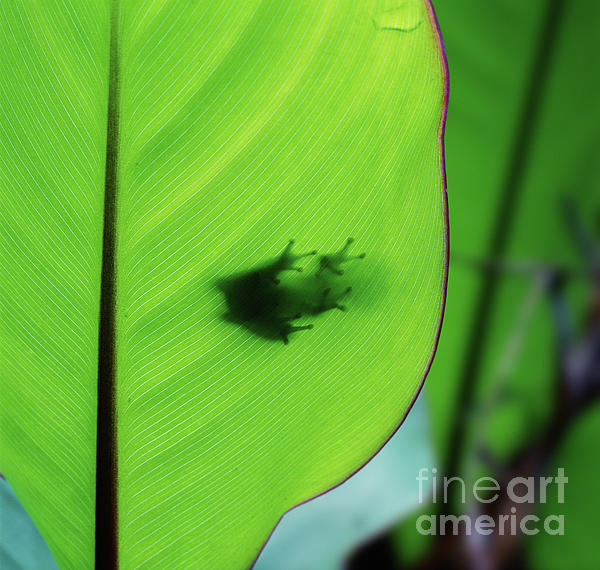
(21, 546)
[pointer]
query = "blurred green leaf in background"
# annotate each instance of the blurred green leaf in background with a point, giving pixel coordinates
(157, 158)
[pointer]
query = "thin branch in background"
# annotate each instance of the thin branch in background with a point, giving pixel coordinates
(479, 550)
(505, 366)
(582, 238)
(520, 267)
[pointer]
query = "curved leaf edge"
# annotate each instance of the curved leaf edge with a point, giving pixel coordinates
(441, 141)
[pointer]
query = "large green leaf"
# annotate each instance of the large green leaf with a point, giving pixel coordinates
(241, 126)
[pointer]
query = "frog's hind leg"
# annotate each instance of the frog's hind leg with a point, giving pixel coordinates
(328, 301)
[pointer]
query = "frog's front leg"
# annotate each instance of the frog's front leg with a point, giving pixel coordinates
(287, 258)
(333, 261)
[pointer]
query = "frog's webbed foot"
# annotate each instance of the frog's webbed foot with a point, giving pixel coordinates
(334, 261)
(287, 328)
(287, 258)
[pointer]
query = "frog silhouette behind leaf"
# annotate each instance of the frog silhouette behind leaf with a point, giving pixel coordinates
(267, 305)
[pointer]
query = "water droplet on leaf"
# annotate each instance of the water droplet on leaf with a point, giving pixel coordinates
(406, 17)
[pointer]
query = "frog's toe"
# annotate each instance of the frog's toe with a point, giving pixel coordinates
(286, 331)
(302, 328)
(287, 257)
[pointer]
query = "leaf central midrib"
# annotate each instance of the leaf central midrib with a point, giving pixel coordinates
(106, 544)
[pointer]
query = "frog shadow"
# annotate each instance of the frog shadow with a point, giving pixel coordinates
(268, 303)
